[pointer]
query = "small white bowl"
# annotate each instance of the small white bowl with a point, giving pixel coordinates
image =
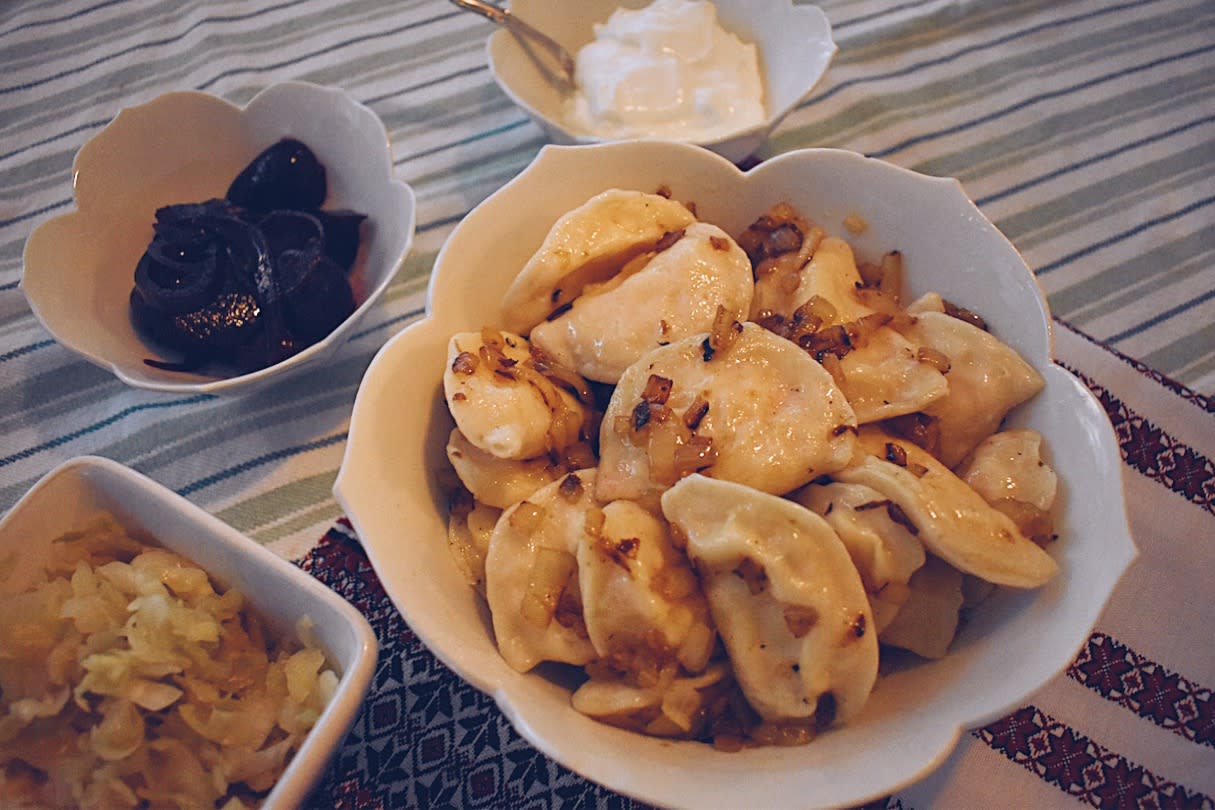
(187, 147)
(64, 500)
(389, 483)
(794, 43)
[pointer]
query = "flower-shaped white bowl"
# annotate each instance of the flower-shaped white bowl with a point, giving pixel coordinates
(794, 43)
(389, 481)
(66, 497)
(187, 147)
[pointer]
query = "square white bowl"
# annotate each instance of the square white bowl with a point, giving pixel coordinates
(185, 147)
(390, 482)
(66, 497)
(794, 44)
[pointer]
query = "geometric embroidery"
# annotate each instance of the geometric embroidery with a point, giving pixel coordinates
(1155, 454)
(1079, 766)
(423, 735)
(1118, 673)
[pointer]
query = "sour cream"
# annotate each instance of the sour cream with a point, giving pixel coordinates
(666, 71)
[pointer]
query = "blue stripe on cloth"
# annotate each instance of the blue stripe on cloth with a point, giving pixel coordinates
(75, 15)
(877, 15)
(96, 426)
(1162, 317)
(480, 136)
(1038, 98)
(52, 138)
(28, 215)
(259, 461)
(24, 350)
(150, 44)
(1122, 236)
(1097, 158)
(966, 51)
(330, 49)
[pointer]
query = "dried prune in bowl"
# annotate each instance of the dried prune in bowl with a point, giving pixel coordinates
(316, 295)
(342, 236)
(284, 175)
(291, 230)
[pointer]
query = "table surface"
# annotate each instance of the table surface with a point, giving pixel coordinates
(1085, 130)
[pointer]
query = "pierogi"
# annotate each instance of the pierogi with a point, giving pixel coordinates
(777, 470)
(657, 299)
(587, 246)
(768, 415)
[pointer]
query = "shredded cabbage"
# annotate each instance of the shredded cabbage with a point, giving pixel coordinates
(127, 679)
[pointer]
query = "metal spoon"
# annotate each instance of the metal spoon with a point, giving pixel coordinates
(564, 75)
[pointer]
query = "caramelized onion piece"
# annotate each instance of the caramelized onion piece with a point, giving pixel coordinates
(963, 314)
(936, 359)
(1034, 523)
(918, 428)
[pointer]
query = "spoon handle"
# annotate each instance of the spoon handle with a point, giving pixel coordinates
(503, 17)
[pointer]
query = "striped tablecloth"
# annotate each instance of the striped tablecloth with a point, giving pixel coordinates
(1084, 130)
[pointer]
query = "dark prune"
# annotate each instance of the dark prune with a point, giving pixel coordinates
(341, 235)
(249, 280)
(291, 230)
(285, 175)
(316, 294)
(176, 278)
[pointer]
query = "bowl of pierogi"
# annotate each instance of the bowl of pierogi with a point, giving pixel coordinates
(736, 488)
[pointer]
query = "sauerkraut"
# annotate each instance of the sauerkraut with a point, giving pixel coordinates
(129, 679)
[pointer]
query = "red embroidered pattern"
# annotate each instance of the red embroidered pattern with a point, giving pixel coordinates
(1081, 767)
(1118, 673)
(1156, 454)
(1202, 401)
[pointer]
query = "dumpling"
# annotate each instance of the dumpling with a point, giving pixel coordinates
(885, 552)
(928, 618)
(503, 482)
(880, 371)
(1009, 465)
(779, 244)
(832, 275)
(531, 575)
(674, 709)
(676, 293)
(785, 597)
(470, 524)
(947, 516)
(587, 245)
(1008, 470)
(642, 603)
(987, 379)
(507, 406)
(885, 377)
(758, 411)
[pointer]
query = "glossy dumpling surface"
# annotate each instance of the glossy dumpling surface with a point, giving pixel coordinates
(641, 602)
(767, 414)
(949, 518)
(674, 294)
(502, 404)
(987, 379)
(785, 596)
(587, 245)
(531, 575)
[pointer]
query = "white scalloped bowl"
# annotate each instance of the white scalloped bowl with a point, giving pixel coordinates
(68, 496)
(187, 147)
(794, 43)
(389, 479)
